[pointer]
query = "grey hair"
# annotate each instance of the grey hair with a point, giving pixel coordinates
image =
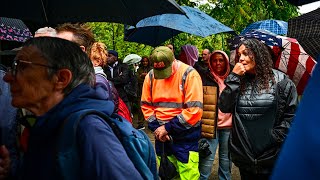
(46, 30)
(63, 54)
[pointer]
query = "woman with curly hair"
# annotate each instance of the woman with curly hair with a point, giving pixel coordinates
(98, 56)
(262, 101)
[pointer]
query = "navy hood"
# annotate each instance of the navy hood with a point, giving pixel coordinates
(82, 97)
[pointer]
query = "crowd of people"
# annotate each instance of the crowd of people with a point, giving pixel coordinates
(193, 105)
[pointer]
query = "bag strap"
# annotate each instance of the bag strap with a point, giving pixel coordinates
(67, 148)
(72, 122)
(105, 80)
(151, 83)
(184, 78)
(66, 141)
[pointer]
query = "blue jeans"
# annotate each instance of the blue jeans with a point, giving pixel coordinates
(225, 163)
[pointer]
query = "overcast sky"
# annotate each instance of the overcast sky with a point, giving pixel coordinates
(309, 7)
(303, 9)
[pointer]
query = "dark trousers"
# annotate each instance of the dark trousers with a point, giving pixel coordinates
(140, 117)
(248, 175)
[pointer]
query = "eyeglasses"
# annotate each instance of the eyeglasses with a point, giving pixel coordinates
(14, 67)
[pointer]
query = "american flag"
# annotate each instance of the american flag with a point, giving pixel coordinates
(292, 58)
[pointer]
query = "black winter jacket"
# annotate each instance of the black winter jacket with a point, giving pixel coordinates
(120, 78)
(260, 120)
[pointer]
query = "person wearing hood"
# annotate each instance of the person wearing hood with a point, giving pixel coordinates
(189, 54)
(216, 125)
(53, 78)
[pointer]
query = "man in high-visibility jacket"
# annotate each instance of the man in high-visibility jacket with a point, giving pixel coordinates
(172, 101)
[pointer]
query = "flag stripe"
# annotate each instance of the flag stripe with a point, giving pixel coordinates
(293, 60)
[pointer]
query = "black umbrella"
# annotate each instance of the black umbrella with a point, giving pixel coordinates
(51, 12)
(306, 29)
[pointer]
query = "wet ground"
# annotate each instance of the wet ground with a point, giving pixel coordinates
(214, 176)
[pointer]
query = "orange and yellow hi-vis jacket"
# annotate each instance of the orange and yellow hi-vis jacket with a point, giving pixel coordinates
(171, 98)
(177, 103)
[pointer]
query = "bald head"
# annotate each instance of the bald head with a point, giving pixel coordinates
(206, 55)
(45, 31)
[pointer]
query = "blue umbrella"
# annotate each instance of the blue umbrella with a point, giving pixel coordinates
(274, 26)
(157, 29)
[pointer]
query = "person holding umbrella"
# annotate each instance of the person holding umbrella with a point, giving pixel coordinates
(262, 101)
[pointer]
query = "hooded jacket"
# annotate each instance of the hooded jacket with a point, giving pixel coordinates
(101, 154)
(210, 118)
(192, 54)
(224, 119)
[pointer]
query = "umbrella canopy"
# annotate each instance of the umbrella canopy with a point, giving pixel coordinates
(13, 30)
(131, 59)
(290, 57)
(274, 26)
(157, 29)
(51, 12)
(306, 29)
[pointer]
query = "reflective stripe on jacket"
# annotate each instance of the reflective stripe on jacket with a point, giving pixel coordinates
(171, 98)
(177, 103)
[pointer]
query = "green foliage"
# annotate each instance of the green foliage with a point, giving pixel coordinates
(237, 14)
(112, 35)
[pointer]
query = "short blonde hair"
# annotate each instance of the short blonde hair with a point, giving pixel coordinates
(99, 53)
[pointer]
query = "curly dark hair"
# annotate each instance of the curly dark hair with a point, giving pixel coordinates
(259, 53)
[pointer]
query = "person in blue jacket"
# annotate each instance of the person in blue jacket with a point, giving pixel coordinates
(8, 122)
(299, 158)
(53, 78)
